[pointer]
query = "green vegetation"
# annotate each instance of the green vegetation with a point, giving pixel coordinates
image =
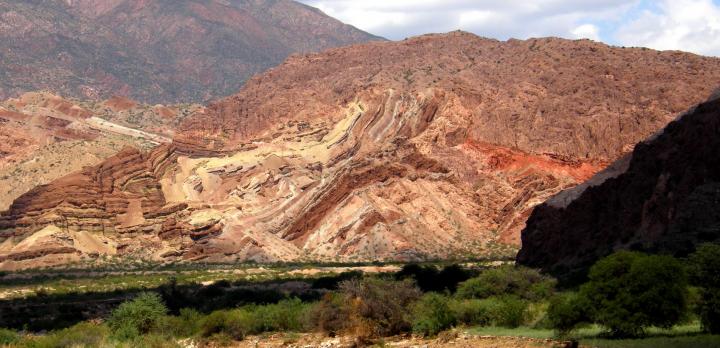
(523, 282)
(705, 274)
(138, 316)
(629, 300)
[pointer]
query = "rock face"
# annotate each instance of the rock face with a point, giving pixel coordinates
(433, 147)
(44, 136)
(156, 51)
(664, 197)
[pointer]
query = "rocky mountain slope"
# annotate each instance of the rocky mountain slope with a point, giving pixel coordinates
(44, 137)
(664, 197)
(437, 146)
(156, 51)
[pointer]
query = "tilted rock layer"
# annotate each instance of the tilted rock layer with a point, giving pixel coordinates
(437, 146)
(664, 197)
(44, 136)
(155, 51)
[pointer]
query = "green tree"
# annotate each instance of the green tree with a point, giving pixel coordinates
(628, 292)
(138, 316)
(705, 274)
(519, 281)
(567, 312)
(432, 314)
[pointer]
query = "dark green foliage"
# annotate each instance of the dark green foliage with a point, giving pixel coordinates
(428, 278)
(383, 306)
(504, 311)
(629, 292)
(333, 282)
(432, 314)
(8, 337)
(137, 317)
(705, 274)
(567, 312)
(519, 281)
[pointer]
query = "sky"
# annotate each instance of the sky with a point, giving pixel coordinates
(688, 25)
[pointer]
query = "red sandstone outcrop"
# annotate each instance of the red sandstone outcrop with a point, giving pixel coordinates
(664, 197)
(432, 147)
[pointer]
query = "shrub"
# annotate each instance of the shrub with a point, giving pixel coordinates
(471, 312)
(81, 335)
(432, 314)
(138, 316)
(519, 281)
(154, 341)
(505, 311)
(8, 337)
(235, 324)
(379, 307)
(331, 315)
(567, 312)
(629, 291)
(186, 324)
(286, 315)
(705, 273)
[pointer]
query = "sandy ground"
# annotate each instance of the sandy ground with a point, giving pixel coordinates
(445, 340)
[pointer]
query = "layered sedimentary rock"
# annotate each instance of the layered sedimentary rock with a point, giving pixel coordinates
(437, 146)
(155, 51)
(44, 136)
(664, 197)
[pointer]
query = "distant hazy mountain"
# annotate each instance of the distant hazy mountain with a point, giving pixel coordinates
(158, 51)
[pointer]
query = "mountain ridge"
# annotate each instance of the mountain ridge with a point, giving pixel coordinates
(155, 51)
(434, 147)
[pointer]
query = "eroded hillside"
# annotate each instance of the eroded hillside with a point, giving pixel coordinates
(437, 146)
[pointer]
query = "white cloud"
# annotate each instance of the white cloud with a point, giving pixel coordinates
(397, 19)
(587, 31)
(688, 25)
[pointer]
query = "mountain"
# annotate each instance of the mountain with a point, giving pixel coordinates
(662, 198)
(433, 147)
(155, 51)
(44, 137)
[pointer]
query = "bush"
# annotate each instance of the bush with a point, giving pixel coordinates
(705, 273)
(235, 324)
(137, 317)
(567, 312)
(80, 335)
(8, 337)
(286, 315)
(505, 311)
(628, 292)
(519, 281)
(432, 314)
(379, 307)
(471, 312)
(186, 324)
(331, 315)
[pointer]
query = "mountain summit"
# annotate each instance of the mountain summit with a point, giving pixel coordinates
(156, 51)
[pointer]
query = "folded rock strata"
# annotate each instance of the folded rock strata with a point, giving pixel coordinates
(434, 147)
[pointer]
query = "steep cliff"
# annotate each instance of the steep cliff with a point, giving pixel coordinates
(664, 197)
